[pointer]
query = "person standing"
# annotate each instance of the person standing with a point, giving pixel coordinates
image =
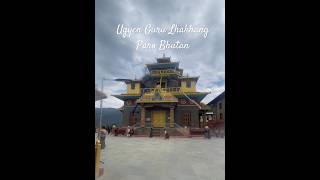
(131, 132)
(209, 135)
(207, 132)
(108, 130)
(150, 135)
(166, 134)
(215, 132)
(103, 134)
(113, 130)
(128, 131)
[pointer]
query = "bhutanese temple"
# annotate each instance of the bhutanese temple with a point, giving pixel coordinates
(163, 98)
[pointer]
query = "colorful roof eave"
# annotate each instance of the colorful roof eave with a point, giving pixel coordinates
(159, 64)
(124, 97)
(218, 98)
(191, 93)
(128, 80)
(155, 66)
(158, 101)
(188, 77)
(199, 95)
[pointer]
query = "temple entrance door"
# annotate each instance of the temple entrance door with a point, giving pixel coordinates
(163, 84)
(158, 118)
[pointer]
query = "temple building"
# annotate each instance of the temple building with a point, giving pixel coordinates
(218, 109)
(163, 98)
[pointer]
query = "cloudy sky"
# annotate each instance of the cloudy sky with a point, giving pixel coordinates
(117, 57)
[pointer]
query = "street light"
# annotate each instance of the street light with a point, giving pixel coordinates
(101, 102)
(98, 144)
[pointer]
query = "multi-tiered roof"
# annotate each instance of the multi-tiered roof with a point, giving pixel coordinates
(164, 68)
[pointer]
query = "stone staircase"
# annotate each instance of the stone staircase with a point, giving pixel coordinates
(156, 132)
(140, 131)
(197, 131)
(174, 132)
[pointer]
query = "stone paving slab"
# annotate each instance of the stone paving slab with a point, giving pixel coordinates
(142, 158)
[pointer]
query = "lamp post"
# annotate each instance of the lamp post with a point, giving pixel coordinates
(100, 119)
(101, 102)
(98, 144)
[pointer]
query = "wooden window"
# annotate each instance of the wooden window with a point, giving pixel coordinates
(221, 116)
(220, 105)
(188, 84)
(187, 119)
(163, 84)
(133, 85)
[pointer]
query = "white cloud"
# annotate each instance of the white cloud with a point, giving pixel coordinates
(117, 58)
(110, 102)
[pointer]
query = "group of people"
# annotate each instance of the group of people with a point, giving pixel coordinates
(130, 131)
(103, 132)
(217, 132)
(114, 130)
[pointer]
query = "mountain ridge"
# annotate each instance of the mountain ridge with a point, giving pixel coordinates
(110, 116)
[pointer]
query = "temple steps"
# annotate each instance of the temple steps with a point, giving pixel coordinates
(157, 132)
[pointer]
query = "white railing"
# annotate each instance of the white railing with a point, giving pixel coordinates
(163, 72)
(170, 89)
(164, 98)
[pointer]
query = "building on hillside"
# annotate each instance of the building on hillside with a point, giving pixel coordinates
(218, 108)
(163, 98)
(206, 116)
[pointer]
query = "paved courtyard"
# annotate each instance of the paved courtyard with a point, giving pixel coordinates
(142, 158)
